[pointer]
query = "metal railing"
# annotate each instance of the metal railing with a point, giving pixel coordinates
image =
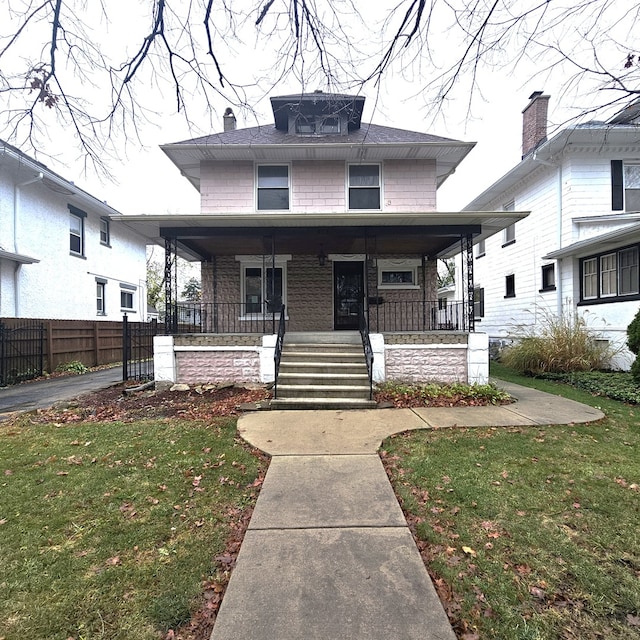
(263, 318)
(278, 351)
(417, 315)
(368, 351)
(21, 351)
(137, 349)
(223, 317)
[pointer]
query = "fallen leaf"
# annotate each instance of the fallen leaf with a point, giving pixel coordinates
(114, 561)
(469, 551)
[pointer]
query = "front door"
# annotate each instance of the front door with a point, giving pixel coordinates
(348, 294)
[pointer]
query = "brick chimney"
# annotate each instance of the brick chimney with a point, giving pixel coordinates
(229, 120)
(534, 122)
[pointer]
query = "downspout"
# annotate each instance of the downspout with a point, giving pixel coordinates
(16, 209)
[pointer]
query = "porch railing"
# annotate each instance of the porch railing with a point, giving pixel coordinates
(385, 316)
(417, 315)
(368, 351)
(277, 355)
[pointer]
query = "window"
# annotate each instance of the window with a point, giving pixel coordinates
(628, 271)
(478, 302)
(398, 274)
(608, 275)
(548, 277)
(126, 297)
(76, 231)
(364, 186)
(100, 297)
(480, 249)
(273, 187)
(509, 235)
(590, 278)
(312, 125)
(105, 238)
(631, 175)
(510, 286)
(263, 290)
(611, 275)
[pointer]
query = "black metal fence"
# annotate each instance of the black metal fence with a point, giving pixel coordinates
(21, 351)
(414, 315)
(137, 349)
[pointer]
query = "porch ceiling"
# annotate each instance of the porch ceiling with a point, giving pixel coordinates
(434, 234)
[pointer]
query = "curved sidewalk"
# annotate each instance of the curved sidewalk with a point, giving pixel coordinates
(328, 554)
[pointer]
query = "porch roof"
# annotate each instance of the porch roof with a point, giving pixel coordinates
(436, 234)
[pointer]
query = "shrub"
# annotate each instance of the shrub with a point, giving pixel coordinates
(563, 344)
(633, 342)
(75, 366)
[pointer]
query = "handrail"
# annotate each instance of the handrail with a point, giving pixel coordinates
(368, 351)
(278, 350)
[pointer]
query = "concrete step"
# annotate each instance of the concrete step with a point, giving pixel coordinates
(321, 351)
(320, 379)
(310, 403)
(299, 356)
(326, 391)
(323, 337)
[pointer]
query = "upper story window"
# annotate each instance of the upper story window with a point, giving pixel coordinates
(273, 187)
(625, 186)
(76, 231)
(611, 275)
(317, 125)
(105, 235)
(364, 186)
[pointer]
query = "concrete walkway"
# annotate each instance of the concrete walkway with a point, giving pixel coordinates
(328, 554)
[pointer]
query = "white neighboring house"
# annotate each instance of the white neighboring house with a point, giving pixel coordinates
(63, 253)
(578, 249)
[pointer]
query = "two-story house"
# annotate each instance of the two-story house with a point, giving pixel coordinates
(578, 249)
(63, 253)
(330, 220)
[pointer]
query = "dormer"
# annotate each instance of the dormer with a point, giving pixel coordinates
(317, 114)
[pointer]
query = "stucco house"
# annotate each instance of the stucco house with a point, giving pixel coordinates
(63, 252)
(326, 228)
(578, 249)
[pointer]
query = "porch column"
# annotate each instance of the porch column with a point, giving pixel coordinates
(171, 284)
(467, 279)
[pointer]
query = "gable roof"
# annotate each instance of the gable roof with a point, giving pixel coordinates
(369, 143)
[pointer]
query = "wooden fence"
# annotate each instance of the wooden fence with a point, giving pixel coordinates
(91, 342)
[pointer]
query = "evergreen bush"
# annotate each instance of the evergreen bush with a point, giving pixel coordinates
(633, 342)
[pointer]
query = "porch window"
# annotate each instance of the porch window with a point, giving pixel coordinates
(398, 274)
(364, 186)
(263, 289)
(273, 187)
(628, 271)
(608, 273)
(610, 276)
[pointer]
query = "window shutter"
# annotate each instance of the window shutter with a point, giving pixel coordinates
(617, 187)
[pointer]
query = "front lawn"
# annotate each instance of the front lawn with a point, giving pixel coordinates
(529, 533)
(115, 525)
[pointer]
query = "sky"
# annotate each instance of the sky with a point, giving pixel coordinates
(143, 179)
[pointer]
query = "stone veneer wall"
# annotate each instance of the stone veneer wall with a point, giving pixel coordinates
(425, 357)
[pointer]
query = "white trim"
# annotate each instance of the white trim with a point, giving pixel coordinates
(280, 258)
(346, 257)
(215, 348)
(456, 345)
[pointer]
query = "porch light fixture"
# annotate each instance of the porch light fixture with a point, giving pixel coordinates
(322, 257)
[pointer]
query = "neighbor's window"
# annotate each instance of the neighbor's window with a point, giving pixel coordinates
(631, 173)
(126, 297)
(273, 187)
(510, 286)
(76, 231)
(480, 249)
(590, 278)
(611, 275)
(548, 277)
(105, 237)
(478, 302)
(364, 186)
(100, 298)
(509, 236)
